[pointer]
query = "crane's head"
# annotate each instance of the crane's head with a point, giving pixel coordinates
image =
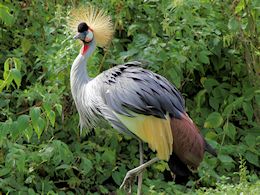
(85, 34)
(91, 24)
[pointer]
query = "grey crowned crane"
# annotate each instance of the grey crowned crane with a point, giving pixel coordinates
(134, 101)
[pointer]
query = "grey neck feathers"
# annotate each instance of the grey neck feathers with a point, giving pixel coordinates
(78, 75)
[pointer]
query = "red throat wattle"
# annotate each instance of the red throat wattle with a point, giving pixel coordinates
(84, 49)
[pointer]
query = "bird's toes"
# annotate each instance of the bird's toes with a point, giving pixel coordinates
(128, 183)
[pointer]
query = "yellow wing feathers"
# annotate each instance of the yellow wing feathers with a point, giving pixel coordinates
(155, 131)
(96, 19)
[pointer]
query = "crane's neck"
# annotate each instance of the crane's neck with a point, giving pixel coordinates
(78, 75)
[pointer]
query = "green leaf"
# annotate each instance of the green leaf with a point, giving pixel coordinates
(203, 57)
(250, 140)
(74, 182)
(23, 122)
(252, 158)
(47, 153)
(15, 130)
(200, 98)
(86, 165)
(59, 108)
(4, 171)
(16, 74)
(26, 45)
(9, 79)
(233, 24)
(4, 130)
(51, 117)
(132, 29)
(175, 77)
(257, 99)
(50, 113)
(41, 125)
(36, 122)
(214, 102)
(47, 107)
(214, 120)
(248, 109)
(211, 135)
(2, 85)
(118, 176)
(35, 114)
(230, 130)
(63, 166)
(28, 132)
(7, 68)
(7, 65)
(103, 190)
(109, 155)
(225, 158)
(209, 83)
(240, 6)
(5, 15)
(17, 63)
(232, 106)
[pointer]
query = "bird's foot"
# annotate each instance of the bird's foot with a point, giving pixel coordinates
(130, 175)
(129, 179)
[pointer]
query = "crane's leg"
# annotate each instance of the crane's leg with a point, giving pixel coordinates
(136, 171)
(140, 176)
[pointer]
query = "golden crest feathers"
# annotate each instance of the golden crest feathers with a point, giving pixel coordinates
(96, 19)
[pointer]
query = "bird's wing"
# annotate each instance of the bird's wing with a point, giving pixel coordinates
(130, 87)
(144, 102)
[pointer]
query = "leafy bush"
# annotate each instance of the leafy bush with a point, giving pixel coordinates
(208, 49)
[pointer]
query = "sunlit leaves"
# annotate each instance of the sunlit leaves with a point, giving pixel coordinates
(12, 73)
(240, 6)
(5, 15)
(214, 120)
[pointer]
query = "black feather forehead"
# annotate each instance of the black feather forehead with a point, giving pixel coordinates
(82, 27)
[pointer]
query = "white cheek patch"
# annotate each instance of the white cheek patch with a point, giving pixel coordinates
(89, 36)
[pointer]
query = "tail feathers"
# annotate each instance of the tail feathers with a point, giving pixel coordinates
(209, 149)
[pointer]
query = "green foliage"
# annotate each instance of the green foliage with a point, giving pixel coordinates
(208, 49)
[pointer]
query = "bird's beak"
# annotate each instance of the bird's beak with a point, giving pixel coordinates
(81, 36)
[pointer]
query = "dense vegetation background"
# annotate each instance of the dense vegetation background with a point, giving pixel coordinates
(209, 49)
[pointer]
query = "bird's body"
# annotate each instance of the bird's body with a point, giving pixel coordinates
(137, 102)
